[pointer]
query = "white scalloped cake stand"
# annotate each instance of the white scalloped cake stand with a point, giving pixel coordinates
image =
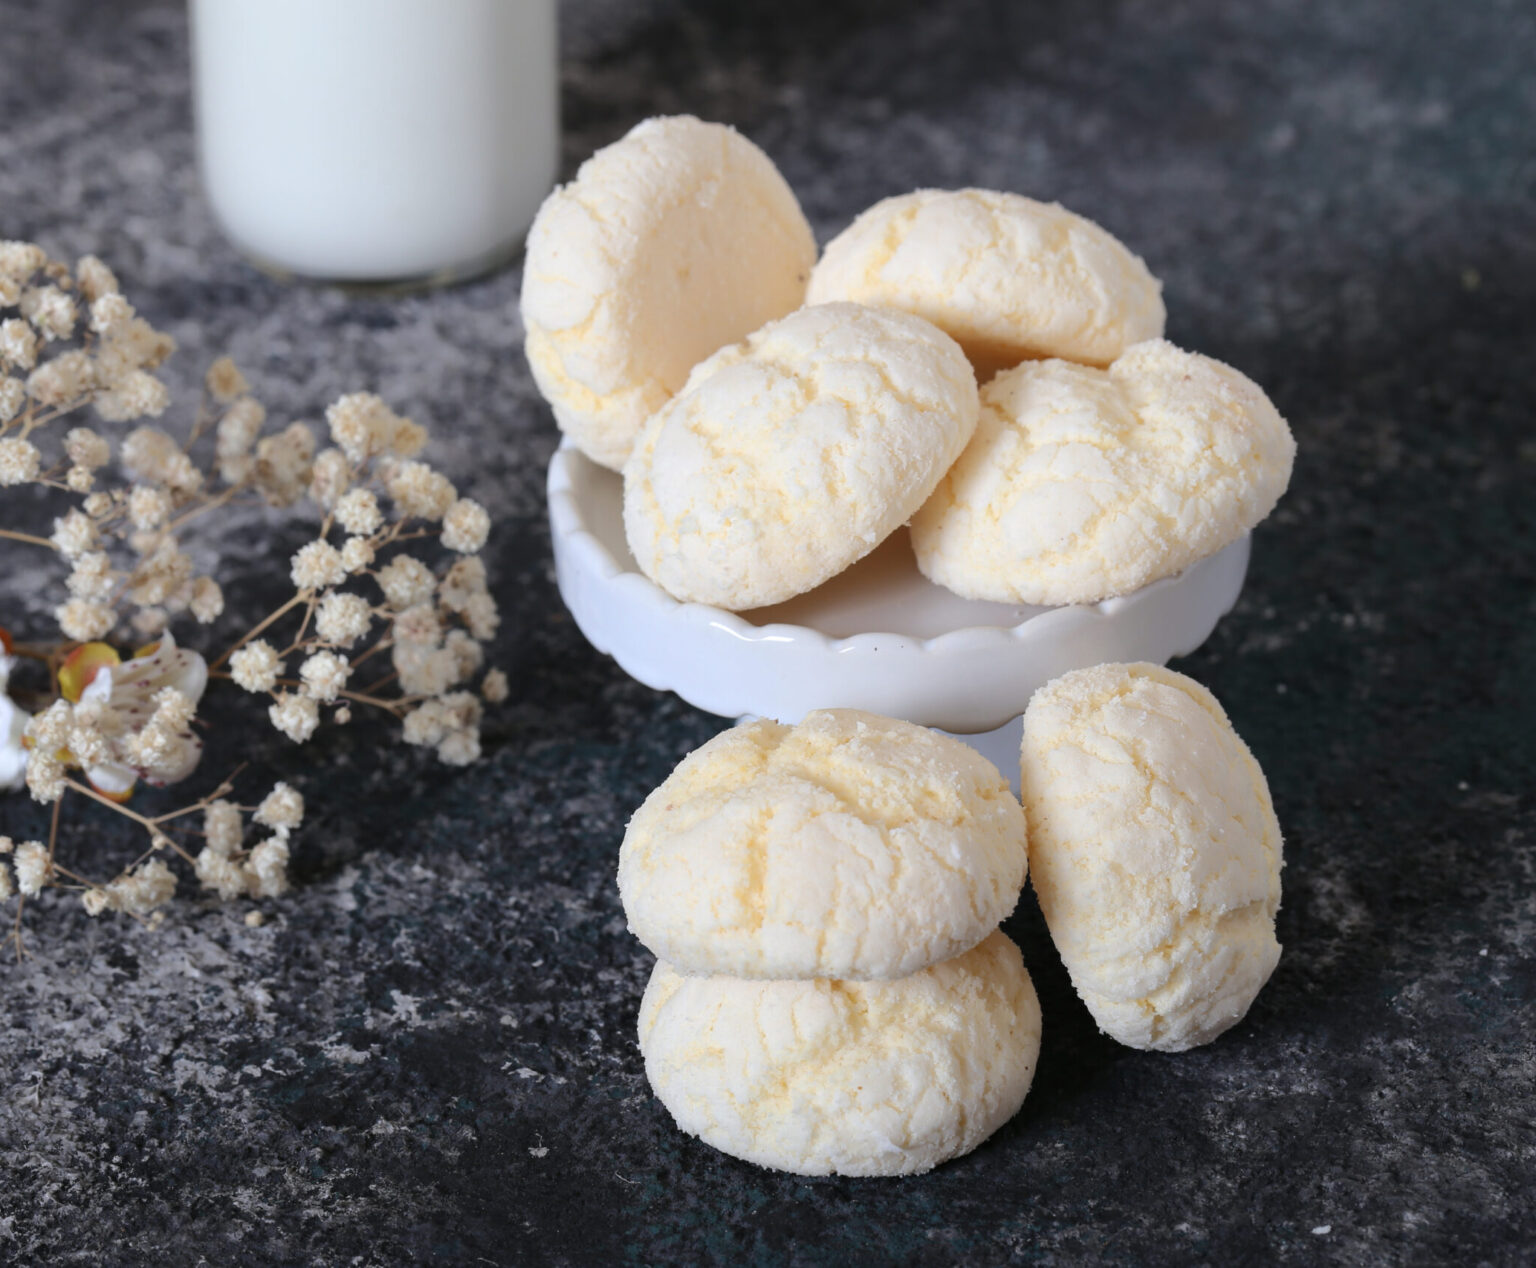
(879, 637)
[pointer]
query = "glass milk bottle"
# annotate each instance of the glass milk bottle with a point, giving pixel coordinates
(376, 141)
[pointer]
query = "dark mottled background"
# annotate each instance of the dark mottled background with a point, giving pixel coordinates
(428, 1051)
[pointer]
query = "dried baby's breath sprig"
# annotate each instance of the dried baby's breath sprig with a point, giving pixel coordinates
(392, 577)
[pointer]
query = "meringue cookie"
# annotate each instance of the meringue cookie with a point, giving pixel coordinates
(674, 241)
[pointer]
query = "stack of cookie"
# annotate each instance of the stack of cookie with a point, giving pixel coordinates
(767, 446)
(832, 994)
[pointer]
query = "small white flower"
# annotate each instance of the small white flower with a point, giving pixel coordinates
(324, 675)
(481, 615)
(33, 868)
(342, 618)
(449, 723)
(49, 730)
(419, 626)
(462, 582)
(467, 654)
(358, 512)
(147, 452)
(256, 666)
(419, 490)
(494, 687)
(224, 381)
(148, 507)
(51, 312)
(18, 345)
(74, 534)
(223, 828)
(86, 448)
(466, 526)
(63, 380)
(19, 461)
(361, 424)
(219, 872)
(207, 600)
(317, 565)
(282, 464)
(266, 869)
(239, 428)
(83, 620)
(295, 716)
(424, 671)
(173, 709)
(459, 748)
(138, 394)
(406, 581)
(140, 891)
(329, 477)
(356, 554)
(92, 577)
(110, 313)
(282, 808)
(45, 777)
(94, 277)
(13, 395)
(149, 623)
(20, 260)
(149, 701)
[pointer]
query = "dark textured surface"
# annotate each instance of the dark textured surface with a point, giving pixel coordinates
(428, 1052)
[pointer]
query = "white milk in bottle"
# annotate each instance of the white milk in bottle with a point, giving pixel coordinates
(376, 140)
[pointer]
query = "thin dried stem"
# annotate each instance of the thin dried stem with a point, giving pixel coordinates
(258, 628)
(53, 828)
(211, 504)
(382, 682)
(298, 640)
(118, 806)
(30, 540)
(21, 951)
(392, 706)
(76, 877)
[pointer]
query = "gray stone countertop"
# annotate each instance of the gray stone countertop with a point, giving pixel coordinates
(427, 1053)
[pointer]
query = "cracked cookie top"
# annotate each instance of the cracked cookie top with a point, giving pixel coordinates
(849, 846)
(1081, 484)
(1154, 850)
(1006, 276)
(793, 454)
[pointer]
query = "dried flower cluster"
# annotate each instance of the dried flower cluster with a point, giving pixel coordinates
(361, 589)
